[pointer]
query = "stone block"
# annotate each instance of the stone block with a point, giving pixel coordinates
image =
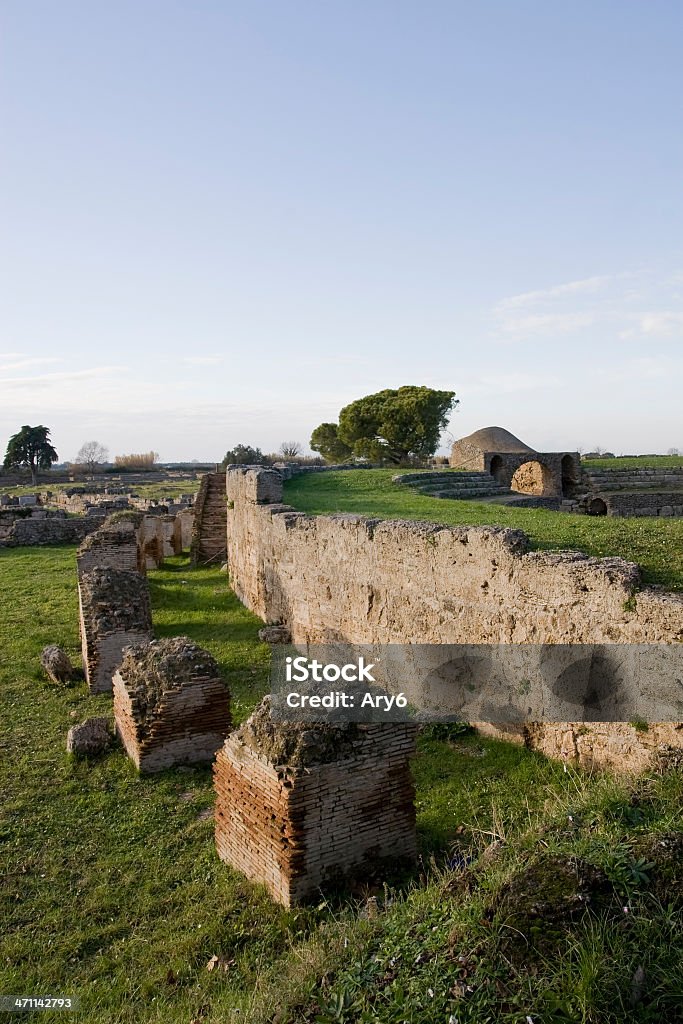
(89, 738)
(171, 705)
(114, 613)
(298, 805)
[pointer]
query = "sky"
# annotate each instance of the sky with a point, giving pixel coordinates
(223, 221)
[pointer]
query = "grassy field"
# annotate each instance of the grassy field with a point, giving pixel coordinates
(636, 462)
(159, 489)
(656, 544)
(113, 891)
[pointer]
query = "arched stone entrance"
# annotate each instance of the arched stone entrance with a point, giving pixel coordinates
(533, 477)
(596, 507)
(497, 469)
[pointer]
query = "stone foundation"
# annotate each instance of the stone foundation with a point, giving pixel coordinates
(171, 705)
(114, 611)
(298, 806)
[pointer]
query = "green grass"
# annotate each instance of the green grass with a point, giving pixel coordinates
(113, 892)
(656, 544)
(157, 490)
(636, 462)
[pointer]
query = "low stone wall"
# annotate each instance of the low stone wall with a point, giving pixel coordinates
(365, 581)
(40, 530)
(643, 503)
(170, 704)
(619, 746)
(368, 581)
(633, 479)
(297, 807)
(114, 611)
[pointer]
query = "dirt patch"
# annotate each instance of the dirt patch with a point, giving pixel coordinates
(665, 854)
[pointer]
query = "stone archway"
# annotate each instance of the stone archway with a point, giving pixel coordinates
(533, 477)
(596, 507)
(497, 470)
(570, 479)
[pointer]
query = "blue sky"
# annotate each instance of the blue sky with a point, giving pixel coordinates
(224, 221)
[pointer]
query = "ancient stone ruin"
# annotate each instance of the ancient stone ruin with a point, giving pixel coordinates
(514, 465)
(171, 705)
(208, 532)
(89, 738)
(115, 611)
(114, 545)
(352, 579)
(56, 664)
(300, 805)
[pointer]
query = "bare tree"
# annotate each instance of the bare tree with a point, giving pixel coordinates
(290, 449)
(91, 455)
(673, 451)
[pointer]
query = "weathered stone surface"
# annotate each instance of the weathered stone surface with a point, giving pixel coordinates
(364, 581)
(114, 613)
(114, 545)
(38, 531)
(297, 805)
(57, 664)
(275, 635)
(513, 463)
(171, 705)
(208, 531)
(615, 745)
(90, 737)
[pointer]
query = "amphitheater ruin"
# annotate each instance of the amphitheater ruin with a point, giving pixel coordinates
(494, 465)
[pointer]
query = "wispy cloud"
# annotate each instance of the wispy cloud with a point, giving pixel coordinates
(15, 361)
(624, 305)
(585, 286)
(665, 322)
(48, 379)
(203, 360)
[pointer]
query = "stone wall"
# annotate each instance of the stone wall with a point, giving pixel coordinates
(630, 479)
(208, 531)
(113, 545)
(365, 581)
(41, 528)
(640, 503)
(368, 581)
(114, 611)
(170, 704)
(297, 807)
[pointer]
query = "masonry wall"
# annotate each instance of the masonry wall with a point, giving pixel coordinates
(39, 530)
(365, 581)
(628, 479)
(603, 744)
(188, 717)
(642, 503)
(114, 612)
(208, 531)
(113, 545)
(294, 829)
